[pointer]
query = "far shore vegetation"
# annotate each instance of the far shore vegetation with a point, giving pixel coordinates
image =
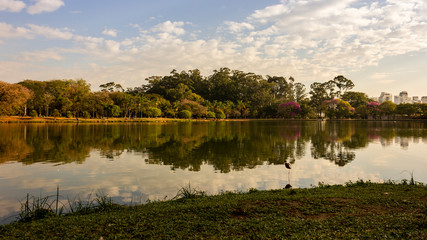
(355, 210)
(226, 94)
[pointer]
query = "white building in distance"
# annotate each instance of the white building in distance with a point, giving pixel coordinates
(403, 98)
(397, 100)
(385, 97)
(416, 99)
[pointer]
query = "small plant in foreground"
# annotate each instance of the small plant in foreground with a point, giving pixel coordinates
(104, 202)
(187, 192)
(411, 181)
(253, 190)
(323, 185)
(79, 206)
(359, 182)
(36, 208)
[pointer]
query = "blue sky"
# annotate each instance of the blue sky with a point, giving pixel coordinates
(380, 45)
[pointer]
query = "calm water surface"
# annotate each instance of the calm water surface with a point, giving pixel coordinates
(140, 161)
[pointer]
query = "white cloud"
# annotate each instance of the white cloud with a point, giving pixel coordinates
(235, 27)
(386, 81)
(50, 54)
(338, 34)
(8, 31)
(112, 46)
(110, 32)
(49, 32)
(11, 5)
(168, 27)
(310, 40)
(45, 6)
(18, 70)
(29, 32)
(380, 75)
(269, 13)
(91, 43)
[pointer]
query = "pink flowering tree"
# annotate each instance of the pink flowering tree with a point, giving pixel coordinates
(337, 108)
(373, 109)
(289, 109)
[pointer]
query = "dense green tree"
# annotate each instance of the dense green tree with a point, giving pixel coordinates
(33, 113)
(318, 96)
(299, 92)
(329, 87)
(281, 88)
(154, 112)
(86, 114)
(111, 87)
(362, 112)
(221, 87)
(59, 89)
(388, 108)
(408, 109)
(38, 88)
(97, 104)
(185, 114)
(307, 111)
(181, 91)
(210, 115)
(219, 114)
(196, 109)
(126, 102)
(342, 84)
(56, 113)
(356, 99)
(78, 94)
(47, 100)
(112, 110)
(160, 85)
(423, 108)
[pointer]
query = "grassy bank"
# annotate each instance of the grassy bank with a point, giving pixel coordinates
(357, 210)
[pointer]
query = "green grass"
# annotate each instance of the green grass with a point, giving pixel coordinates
(360, 210)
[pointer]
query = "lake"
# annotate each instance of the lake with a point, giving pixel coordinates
(136, 162)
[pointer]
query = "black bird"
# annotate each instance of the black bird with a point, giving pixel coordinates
(288, 165)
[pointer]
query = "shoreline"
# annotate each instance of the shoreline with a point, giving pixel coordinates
(17, 119)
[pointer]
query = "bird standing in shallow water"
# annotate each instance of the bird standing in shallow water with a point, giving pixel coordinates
(288, 166)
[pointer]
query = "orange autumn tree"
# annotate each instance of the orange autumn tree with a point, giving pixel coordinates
(13, 99)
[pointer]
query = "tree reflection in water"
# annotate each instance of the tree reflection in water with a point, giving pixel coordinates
(226, 146)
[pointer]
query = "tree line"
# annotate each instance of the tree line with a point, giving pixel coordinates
(187, 94)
